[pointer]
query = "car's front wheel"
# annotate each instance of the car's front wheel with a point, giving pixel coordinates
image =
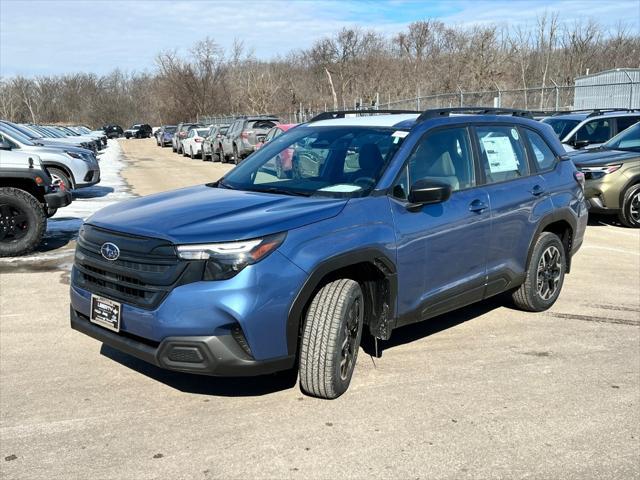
(59, 176)
(22, 222)
(629, 214)
(544, 276)
(331, 339)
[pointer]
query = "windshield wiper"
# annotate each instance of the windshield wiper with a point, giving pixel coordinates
(281, 191)
(224, 185)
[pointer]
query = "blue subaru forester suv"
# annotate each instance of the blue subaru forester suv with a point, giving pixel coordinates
(377, 219)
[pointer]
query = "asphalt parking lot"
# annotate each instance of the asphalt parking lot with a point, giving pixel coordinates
(485, 392)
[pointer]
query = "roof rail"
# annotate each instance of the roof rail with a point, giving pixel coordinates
(445, 112)
(595, 111)
(343, 113)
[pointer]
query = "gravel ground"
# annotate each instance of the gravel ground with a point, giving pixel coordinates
(485, 392)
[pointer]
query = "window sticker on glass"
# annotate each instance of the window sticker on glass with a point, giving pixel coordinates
(500, 154)
(514, 134)
(397, 135)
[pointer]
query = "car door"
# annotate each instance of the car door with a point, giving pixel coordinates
(442, 247)
(518, 197)
(227, 139)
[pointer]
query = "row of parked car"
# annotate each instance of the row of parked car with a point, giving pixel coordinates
(221, 142)
(39, 167)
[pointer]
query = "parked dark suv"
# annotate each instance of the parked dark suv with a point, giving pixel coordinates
(393, 219)
(113, 131)
(139, 130)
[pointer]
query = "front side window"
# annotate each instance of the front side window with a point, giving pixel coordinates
(595, 131)
(542, 154)
(340, 161)
(443, 156)
(502, 153)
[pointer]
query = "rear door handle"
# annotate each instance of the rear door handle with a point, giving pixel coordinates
(537, 190)
(478, 206)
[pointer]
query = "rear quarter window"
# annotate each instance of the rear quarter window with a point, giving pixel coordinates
(543, 156)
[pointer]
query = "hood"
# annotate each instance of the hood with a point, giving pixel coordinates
(204, 214)
(602, 157)
(57, 142)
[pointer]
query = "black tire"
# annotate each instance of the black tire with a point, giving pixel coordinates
(544, 277)
(57, 174)
(331, 339)
(236, 158)
(193, 157)
(173, 147)
(23, 222)
(629, 214)
(221, 155)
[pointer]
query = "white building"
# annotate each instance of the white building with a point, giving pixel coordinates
(618, 88)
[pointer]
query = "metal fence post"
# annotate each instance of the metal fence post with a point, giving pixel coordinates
(461, 96)
(631, 85)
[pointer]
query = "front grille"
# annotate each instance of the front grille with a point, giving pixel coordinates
(144, 274)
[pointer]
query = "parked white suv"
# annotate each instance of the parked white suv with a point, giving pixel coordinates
(592, 128)
(75, 167)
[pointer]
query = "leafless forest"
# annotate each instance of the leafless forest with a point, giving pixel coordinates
(428, 57)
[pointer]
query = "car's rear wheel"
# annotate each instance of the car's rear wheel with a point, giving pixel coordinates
(193, 157)
(544, 276)
(22, 222)
(59, 176)
(236, 159)
(630, 212)
(331, 338)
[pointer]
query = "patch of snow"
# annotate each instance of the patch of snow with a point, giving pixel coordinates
(65, 224)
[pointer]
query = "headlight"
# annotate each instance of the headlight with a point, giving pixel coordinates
(225, 260)
(599, 172)
(74, 155)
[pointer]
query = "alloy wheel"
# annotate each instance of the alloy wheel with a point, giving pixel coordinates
(349, 344)
(634, 208)
(549, 272)
(14, 223)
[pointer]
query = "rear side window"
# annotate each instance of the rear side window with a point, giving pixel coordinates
(542, 153)
(595, 131)
(626, 122)
(502, 153)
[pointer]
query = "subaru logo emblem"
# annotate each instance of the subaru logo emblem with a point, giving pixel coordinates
(110, 251)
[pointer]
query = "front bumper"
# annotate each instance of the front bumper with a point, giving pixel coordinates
(58, 199)
(206, 355)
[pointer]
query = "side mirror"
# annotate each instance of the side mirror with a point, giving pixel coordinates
(580, 143)
(424, 192)
(5, 146)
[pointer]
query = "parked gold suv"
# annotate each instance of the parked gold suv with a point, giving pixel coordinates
(612, 174)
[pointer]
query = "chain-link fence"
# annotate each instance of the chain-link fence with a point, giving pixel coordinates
(548, 98)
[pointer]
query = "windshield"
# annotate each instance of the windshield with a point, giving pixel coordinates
(15, 135)
(628, 139)
(24, 130)
(331, 161)
(52, 132)
(561, 126)
(169, 129)
(202, 132)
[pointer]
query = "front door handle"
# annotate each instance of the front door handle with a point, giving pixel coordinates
(478, 206)
(537, 190)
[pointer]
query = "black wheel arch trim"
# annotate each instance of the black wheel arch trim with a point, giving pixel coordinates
(372, 255)
(62, 167)
(562, 214)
